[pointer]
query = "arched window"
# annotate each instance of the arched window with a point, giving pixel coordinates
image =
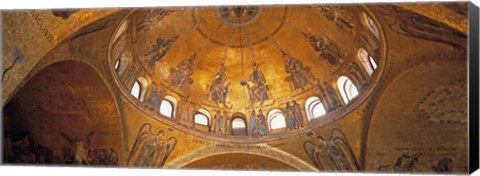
(136, 89)
(366, 61)
(314, 108)
(347, 89)
(202, 117)
(276, 119)
(371, 25)
(239, 127)
(167, 107)
(143, 89)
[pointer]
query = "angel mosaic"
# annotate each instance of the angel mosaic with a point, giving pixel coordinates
(151, 149)
(158, 50)
(332, 154)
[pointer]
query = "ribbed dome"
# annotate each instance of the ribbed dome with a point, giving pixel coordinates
(239, 59)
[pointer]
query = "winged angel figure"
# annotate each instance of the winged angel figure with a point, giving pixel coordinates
(333, 154)
(151, 149)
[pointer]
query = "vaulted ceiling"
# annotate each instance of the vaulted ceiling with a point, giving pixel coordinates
(323, 40)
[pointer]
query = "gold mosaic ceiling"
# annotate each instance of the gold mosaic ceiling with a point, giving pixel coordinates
(189, 51)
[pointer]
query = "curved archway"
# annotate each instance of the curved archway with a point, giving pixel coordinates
(239, 161)
(143, 88)
(276, 156)
(168, 107)
(47, 112)
(404, 126)
(239, 125)
(201, 120)
(368, 64)
(276, 119)
(314, 108)
(347, 89)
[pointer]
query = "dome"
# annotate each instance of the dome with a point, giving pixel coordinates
(246, 59)
(329, 88)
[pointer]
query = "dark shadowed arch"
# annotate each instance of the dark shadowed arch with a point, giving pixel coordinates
(62, 104)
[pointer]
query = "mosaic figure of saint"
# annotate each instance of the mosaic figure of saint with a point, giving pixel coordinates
(289, 116)
(327, 48)
(181, 76)
(261, 125)
(154, 99)
(252, 123)
(258, 90)
(298, 74)
(219, 86)
(297, 111)
(332, 95)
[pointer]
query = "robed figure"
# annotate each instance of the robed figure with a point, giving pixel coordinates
(226, 122)
(257, 89)
(297, 111)
(332, 96)
(181, 76)
(327, 48)
(260, 124)
(298, 74)
(252, 123)
(219, 86)
(218, 122)
(289, 116)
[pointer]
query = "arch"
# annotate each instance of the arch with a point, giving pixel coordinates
(276, 119)
(314, 108)
(58, 103)
(386, 114)
(242, 161)
(347, 89)
(205, 112)
(367, 61)
(208, 151)
(238, 125)
(143, 89)
(202, 117)
(168, 107)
